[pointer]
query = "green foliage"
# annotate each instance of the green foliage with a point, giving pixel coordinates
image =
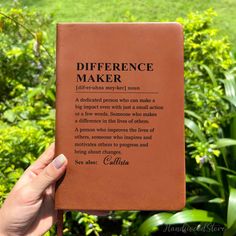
(14, 156)
(24, 62)
(187, 216)
(26, 112)
(88, 224)
(207, 59)
(27, 96)
(138, 10)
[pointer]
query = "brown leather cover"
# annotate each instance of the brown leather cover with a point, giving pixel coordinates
(120, 117)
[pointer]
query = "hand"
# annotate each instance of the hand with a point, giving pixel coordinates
(29, 207)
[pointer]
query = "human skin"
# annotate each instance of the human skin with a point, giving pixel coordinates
(29, 208)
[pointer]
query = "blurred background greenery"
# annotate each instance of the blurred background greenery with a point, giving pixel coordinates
(123, 10)
(27, 106)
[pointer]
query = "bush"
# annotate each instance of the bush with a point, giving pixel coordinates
(26, 106)
(207, 60)
(27, 96)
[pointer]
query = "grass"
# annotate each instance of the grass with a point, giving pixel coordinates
(134, 10)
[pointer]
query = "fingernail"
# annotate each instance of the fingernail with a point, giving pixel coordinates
(59, 161)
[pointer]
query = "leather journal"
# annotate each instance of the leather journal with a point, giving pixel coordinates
(120, 116)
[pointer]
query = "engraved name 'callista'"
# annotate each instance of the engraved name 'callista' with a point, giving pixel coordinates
(110, 160)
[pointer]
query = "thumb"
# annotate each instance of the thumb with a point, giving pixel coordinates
(51, 173)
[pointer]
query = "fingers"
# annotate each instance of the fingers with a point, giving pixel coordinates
(48, 155)
(49, 175)
(44, 159)
(33, 170)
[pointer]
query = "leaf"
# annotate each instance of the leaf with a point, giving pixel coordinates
(211, 75)
(189, 216)
(217, 200)
(230, 85)
(187, 178)
(51, 95)
(89, 231)
(205, 180)
(232, 100)
(39, 37)
(226, 169)
(14, 52)
(225, 142)
(9, 115)
(193, 114)
(197, 199)
(195, 129)
(231, 181)
(152, 223)
(231, 214)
